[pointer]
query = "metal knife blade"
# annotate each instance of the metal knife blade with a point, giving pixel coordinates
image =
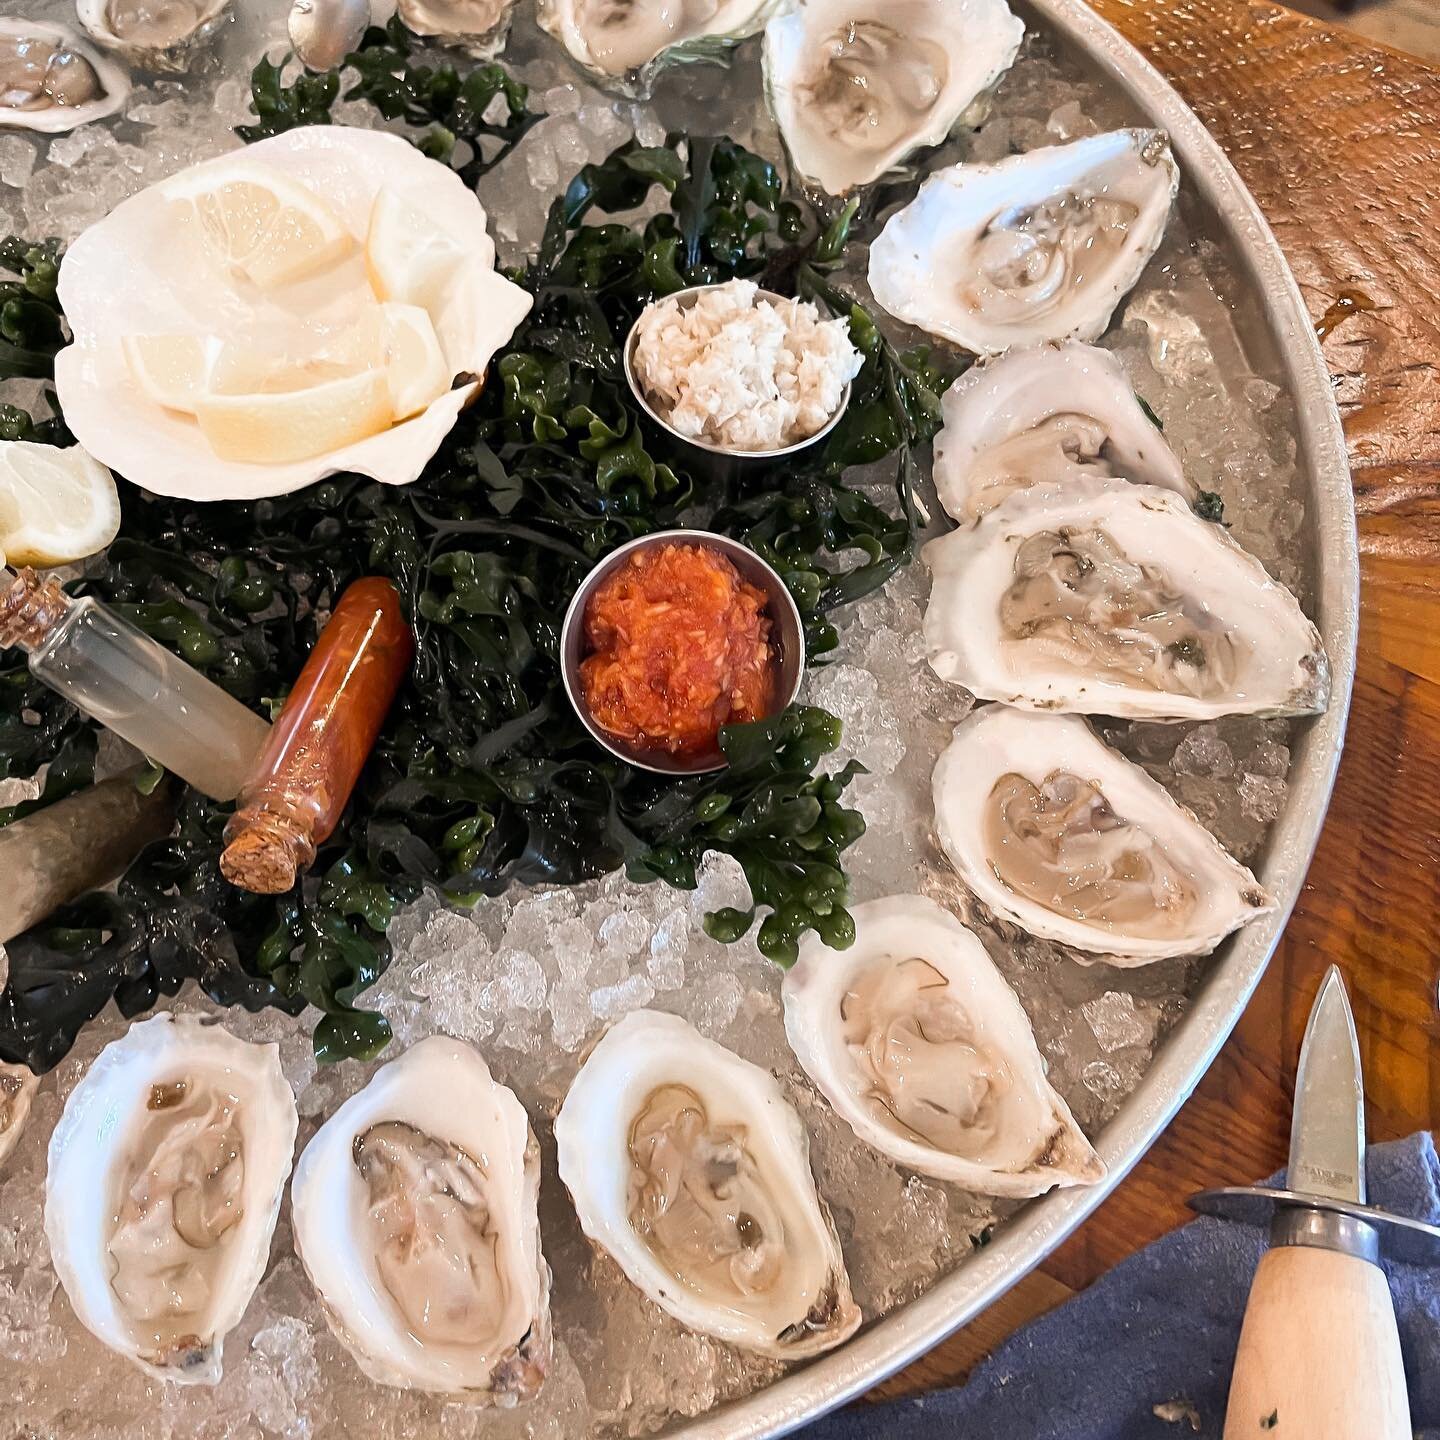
(1327, 1129)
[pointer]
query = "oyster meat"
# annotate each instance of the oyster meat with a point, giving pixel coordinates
(1108, 598)
(18, 1084)
(857, 86)
(324, 32)
(165, 1177)
(624, 44)
(50, 80)
(479, 27)
(1047, 415)
(1040, 246)
(1071, 841)
(153, 34)
(688, 1167)
(415, 1213)
(914, 1037)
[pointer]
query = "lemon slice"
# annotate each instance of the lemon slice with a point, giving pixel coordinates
(272, 428)
(263, 223)
(408, 259)
(241, 371)
(171, 369)
(415, 367)
(55, 505)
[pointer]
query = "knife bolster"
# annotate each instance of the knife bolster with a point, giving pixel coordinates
(1325, 1230)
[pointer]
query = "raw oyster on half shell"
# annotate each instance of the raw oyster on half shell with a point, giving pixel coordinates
(415, 1213)
(479, 27)
(1040, 246)
(51, 80)
(153, 34)
(164, 1183)
(856, 85)
(18, 1084)
(1068, 839)
(922, 1048)
(1108, 598)
(1048, 415)
(689, 1168)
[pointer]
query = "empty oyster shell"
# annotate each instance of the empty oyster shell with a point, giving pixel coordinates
(624, 45)
(1040, 246)
(689, 1168)
(18, 1084)
(415, 1218)
(479, 27)
(856, 85)
(1046, 416)
(153, 34)
(50, 80)
(914, 1037)
(1107, 598)
(1071, 841)
(166, 1172)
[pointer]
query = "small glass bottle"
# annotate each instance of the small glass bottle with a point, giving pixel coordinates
(132, 684)
(321, 741)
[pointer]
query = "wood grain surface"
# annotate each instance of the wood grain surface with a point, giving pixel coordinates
(1340, 144)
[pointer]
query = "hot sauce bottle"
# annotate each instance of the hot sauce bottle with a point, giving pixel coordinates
(318, 746)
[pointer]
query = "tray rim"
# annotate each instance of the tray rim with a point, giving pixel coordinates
(887, 1345)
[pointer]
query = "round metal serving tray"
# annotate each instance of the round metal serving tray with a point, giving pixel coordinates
(1280, 343)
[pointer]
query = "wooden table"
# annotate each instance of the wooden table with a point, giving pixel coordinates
(1340, 144)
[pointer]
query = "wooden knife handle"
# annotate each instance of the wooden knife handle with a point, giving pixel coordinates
(1319, 1355)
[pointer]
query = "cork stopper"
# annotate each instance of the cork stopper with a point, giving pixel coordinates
(265, 852)
(30, 607)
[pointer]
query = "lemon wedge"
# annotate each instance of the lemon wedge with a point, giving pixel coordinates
(171, 369)
(275, 427)
(241, 371)
(264, 224)
(55, 505)
(415, 367)
(407, 258)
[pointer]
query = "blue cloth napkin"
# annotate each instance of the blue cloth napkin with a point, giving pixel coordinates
(1162, 1327)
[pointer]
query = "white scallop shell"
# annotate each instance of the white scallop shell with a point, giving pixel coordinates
(941, 262)
(89, 1143)
(443, 1088)
(1000, 402)
(642, 1053)
(113, 82)
(980, 39)
(130, 275)
(1280, 663)
(1036, 1144)
(995, 741)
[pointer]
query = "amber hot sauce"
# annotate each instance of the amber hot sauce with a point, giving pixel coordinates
(321, 741)
(678, 645)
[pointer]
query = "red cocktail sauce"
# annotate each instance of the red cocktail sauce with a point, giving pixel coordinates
(678, 645)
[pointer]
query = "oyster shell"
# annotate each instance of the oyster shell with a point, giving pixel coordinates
(153, 34)
(479, 27)
(50, 80)
(914, 1037)
(856, 85)
(18, 1084)
(1107, 598)
(324, 32)
(688, 1167)
(1040, 246)
(415, 1219)
(1046, 416)
(165, 1177)
(624, 44)
(1071, 841)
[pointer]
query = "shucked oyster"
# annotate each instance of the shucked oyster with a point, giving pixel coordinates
(1068, 839)
(857, 85)
(480, 27)
(165, 1177)
(51, 81)
(1107, 598)
(17, 1089)
(154, 34)
(1040, 246)
(415, 1218)
(922, 1048)
(1048, 415)
(624, 43)
(689, 1168)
